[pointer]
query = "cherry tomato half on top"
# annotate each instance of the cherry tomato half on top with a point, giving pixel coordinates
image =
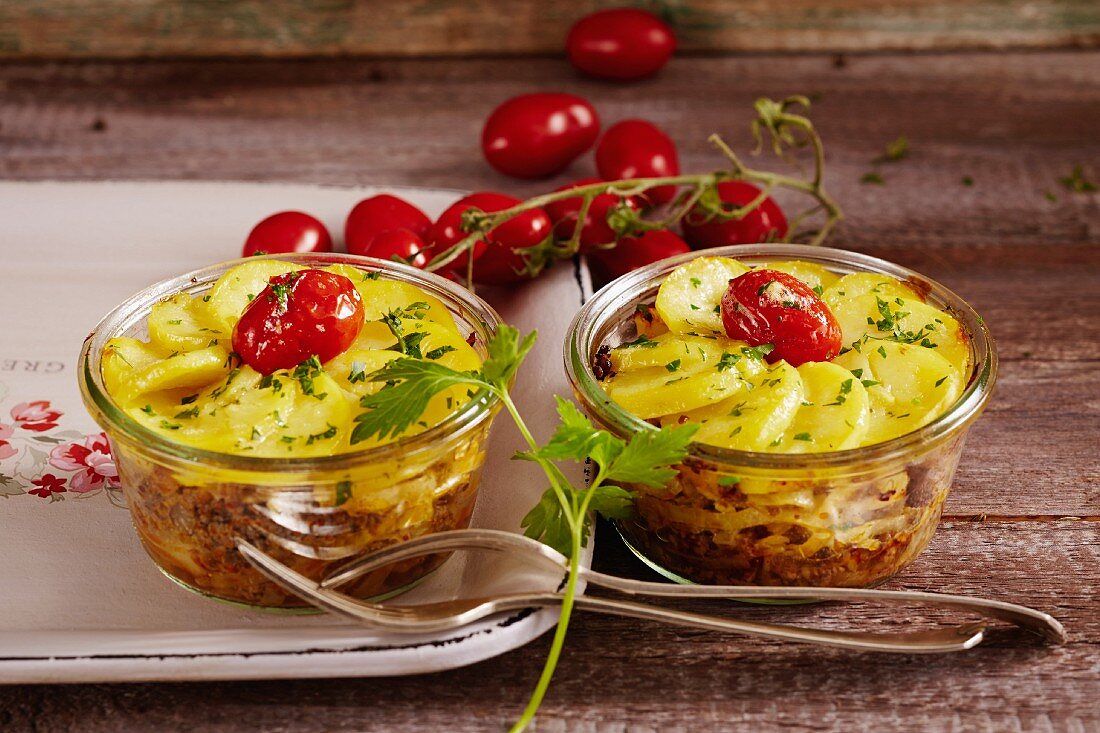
(382, 213)
(538, 135)
(595, 230)
(299, 315)
(632, 253)
(638, 149)
(620, 44)
(287, 231)
(499, 257)
(772, 307)
(764, 223)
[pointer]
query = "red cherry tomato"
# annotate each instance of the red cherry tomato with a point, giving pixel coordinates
(287, 231)
(538, 135)
(595, 230)
(764, 223)
(638, 149)
(500, 257)
(401, 245)
(299, 315)
(621, 44)
(382, 213)
(632, 253)
(772, 307)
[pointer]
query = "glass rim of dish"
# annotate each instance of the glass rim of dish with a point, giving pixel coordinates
(106, 412)
(617, 301)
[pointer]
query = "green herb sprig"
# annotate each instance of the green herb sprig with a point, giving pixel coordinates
(562, 516)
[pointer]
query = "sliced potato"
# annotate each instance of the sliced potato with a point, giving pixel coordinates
(173, 325)
(811, 273)
(834, 412)
(880, 318)
(187, 370)
(689, 300)
(382, 295)
(647, 323)
(866, 283)
(755, 418)
(658, 391)
(227, 299)
(691, 351)
(122, 358)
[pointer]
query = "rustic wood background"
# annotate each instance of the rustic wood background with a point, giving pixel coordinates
(1025, 511)
(297, 28)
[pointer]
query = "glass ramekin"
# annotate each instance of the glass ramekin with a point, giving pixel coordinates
(190, 505)
(868, 511)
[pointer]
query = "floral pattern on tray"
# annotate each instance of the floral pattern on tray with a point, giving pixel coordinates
(39, 460)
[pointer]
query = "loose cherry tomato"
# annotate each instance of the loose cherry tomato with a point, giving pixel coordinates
(638, 149)
(620, 44)
(299, 315)
(509, 252)
(401, 245)
(595, 230)
(764, 223)
(772, 307)
(632, 253)
(382, 213)
(538, 135)
(287, 231)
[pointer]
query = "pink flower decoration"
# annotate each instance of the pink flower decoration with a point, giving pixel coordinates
(6, 449)
(93, 461)
(48, 485)
(35, 416)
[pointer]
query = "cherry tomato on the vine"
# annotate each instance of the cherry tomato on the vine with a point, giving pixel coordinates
(595, 230)
(399, 244)
(632, 253)
(538, 135)
(772, 307)
(299, 315)
(638, 149)
(509, 253)
(382, 213)
(287, 231)
(620, 44)
(764, 223)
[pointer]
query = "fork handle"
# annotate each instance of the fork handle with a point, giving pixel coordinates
(951, 639)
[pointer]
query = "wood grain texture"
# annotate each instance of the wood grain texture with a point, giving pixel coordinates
(1013, 122)
(289, 28)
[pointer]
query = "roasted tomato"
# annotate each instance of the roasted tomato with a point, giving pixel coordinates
(620, 44)
(382, 213)
(538, 135)
(638, 149)
(772, 307)
(596, 230)
(509, 253)
(299, 315)
(287, 231)
(632, 253)
(763, 224)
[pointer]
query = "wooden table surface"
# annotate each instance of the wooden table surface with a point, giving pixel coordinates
(1022, 521)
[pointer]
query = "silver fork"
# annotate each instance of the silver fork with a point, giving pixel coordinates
(447, 615)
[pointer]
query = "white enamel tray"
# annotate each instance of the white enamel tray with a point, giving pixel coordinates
(79, 600)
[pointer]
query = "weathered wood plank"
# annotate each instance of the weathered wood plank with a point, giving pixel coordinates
(284, 28)
(627, 675)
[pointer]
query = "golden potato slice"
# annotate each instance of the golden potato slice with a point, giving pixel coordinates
(647, 323)
(908, 386)
(834, 412)
(658, 391)
(689, 300)
(187, 370)
(173, 325)
(691, 351)
(122, 358)
(811, 273)
(227, 299)
(903, 320)
(866, 283)
(382, 295)
(754, 419)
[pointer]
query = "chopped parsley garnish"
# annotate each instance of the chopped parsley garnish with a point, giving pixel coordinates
(642, 341)
(358, 372)
(941, 380)
(803, 436)
(757, 352)
(306, 372)
(895, 151)
(188, 414)
(696, 282)
(729, 481)
(727, 361)
(343, 489)
(175, 322)
(169, 425)
(881, 351)
(673, 365)
(325, 435)
(1076, 181)
(188, 399)
(438, 352)
(818, 289)
(148, 409)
